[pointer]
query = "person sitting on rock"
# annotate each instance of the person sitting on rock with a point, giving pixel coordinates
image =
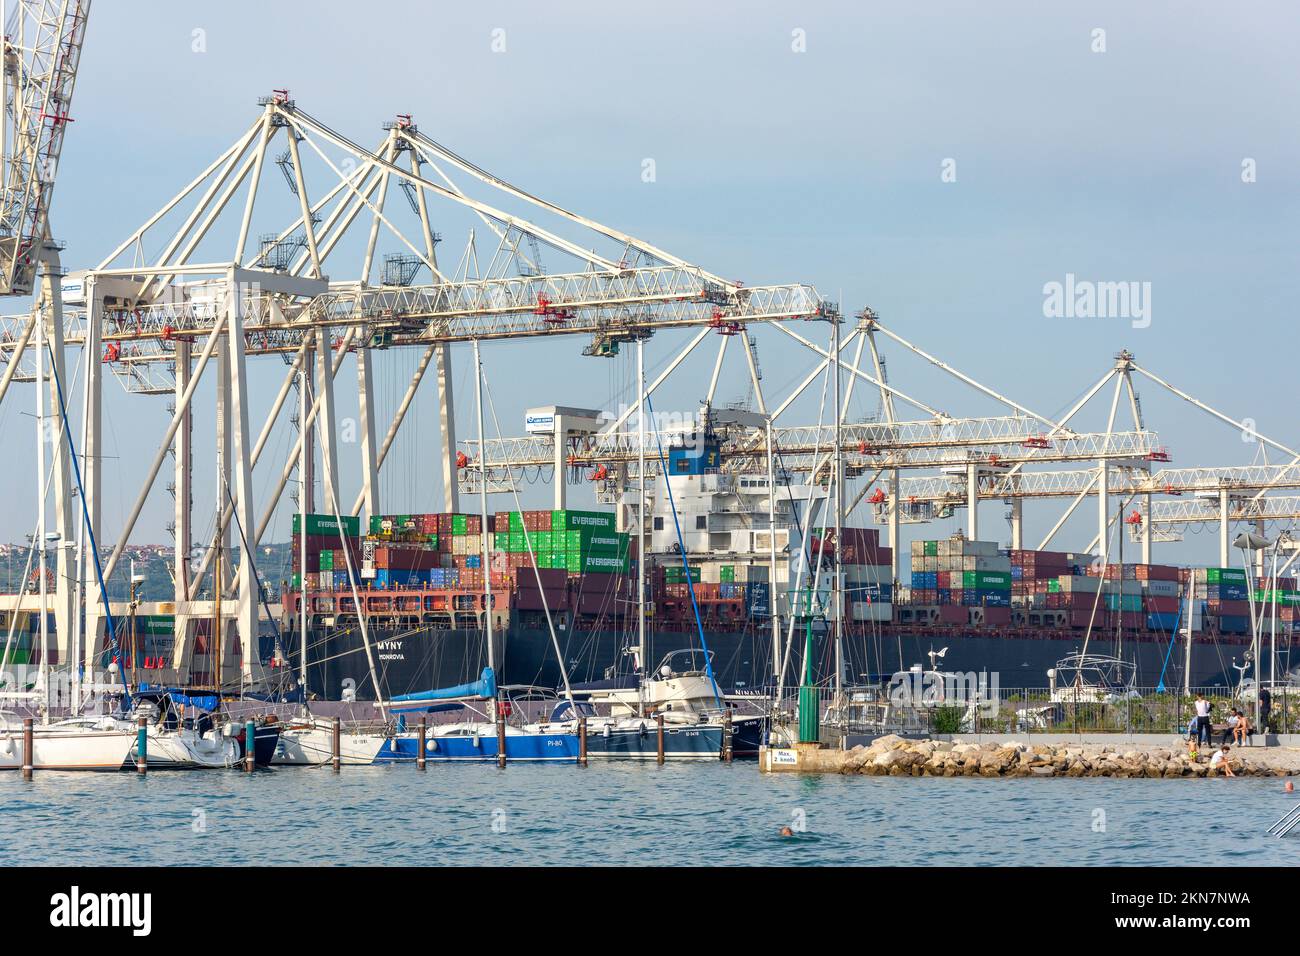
(1220, 759)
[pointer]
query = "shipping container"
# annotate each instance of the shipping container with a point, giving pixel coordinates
(327, 525)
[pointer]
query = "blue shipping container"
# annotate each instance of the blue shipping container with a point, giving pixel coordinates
(1234, 624)
(1162, 621)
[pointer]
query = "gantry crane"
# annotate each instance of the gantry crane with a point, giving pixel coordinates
(214, 296)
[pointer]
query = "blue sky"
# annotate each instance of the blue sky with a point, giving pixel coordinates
(772, 165)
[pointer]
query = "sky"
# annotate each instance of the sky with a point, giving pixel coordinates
(937, 162)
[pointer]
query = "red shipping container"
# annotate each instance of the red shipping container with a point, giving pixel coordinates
(953, 614)
(1158, 604)
(997, 616)
(551, 578)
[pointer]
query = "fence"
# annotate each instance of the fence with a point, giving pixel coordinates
(1038, 710)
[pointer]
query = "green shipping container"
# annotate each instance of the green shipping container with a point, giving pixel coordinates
(327, 524)
(673, 574)
(1225, 576)
(579, 520)
(604, 564)
(541, 540)
(326, 561)
(516, 544)
(986, 580)
(931, 548)
(1123, 602)
(588, 540)
(159, 625)
(516, 522)
(460, 524)
(727, 574)
(501, 540)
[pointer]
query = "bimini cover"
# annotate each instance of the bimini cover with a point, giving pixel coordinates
(485, 687)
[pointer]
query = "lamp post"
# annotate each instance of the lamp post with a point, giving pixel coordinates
(1248, 542)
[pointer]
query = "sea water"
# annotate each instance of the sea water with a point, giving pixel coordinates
(630, 814)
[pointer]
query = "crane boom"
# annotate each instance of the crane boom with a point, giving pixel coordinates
(42, 50)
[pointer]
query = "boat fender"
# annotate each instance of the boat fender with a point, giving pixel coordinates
(643, 728)
(431, 744)
(476, 741)
(606, 732)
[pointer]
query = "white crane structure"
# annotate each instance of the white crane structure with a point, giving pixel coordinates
(42, 50)
(210, 296)
(245, 261)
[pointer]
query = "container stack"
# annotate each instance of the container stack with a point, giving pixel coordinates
(867, 568)
(1282, 604)
(1220, 600)
(326, 558)
(1160, 596)
(575, 542)
(957, 572)
(1032, 574)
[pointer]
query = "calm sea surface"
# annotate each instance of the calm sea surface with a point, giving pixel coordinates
(624, 814)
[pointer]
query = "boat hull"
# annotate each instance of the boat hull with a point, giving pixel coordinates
(106, 750)
(313, 746)
(465, 748)
(412, 659)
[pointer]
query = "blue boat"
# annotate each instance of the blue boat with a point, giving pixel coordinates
(473, 739)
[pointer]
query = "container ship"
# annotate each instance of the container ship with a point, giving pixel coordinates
(759, 567)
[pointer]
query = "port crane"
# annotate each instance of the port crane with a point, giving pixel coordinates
(223, 289)
(238, 276)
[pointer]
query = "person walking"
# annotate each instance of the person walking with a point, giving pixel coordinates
(1265, 708)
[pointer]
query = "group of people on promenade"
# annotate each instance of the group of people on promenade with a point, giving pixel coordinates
(1238, 728)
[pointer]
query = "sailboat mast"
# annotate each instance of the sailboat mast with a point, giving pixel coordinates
(1119, 616)
(40, 512)
(837, 595)
(777, 667)
(482, 500)
(640, 519)
(216, 614)
(304, 473)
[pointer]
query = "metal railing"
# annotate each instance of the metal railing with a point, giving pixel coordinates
(1039, 711)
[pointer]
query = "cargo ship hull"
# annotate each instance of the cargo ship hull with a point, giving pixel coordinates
(408, 659)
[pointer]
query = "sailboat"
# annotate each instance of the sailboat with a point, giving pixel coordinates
(307, 740)
(622, 722)
(69, 745)
(492, 728)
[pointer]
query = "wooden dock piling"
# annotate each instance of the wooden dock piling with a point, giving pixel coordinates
(142, 746)
(29, 757)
